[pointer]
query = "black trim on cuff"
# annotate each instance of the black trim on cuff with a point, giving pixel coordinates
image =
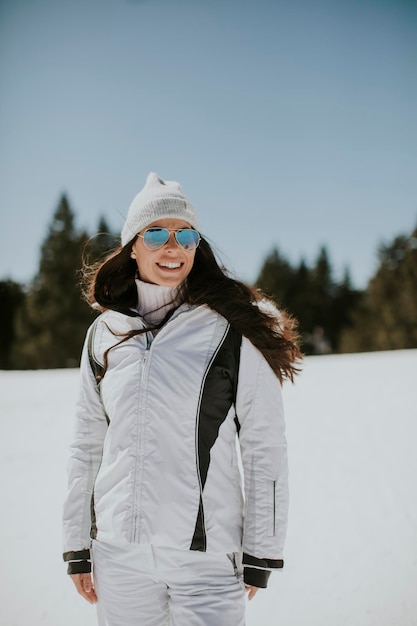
(77, 555)
(256, 577)
(79, 567)
(269, 563)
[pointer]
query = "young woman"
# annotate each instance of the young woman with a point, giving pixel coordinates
(183, 362)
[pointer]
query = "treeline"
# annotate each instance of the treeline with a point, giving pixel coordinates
(43, 324)
(334, 316)
(322, 305)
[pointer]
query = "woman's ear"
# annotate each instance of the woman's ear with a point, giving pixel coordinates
(132, 255)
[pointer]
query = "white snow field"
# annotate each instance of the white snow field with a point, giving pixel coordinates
(351, 556)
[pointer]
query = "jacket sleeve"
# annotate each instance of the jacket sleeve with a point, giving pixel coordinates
(263, 447)
(83, 465)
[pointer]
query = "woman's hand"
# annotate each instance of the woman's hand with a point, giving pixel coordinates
(251, 591)
(85, 586)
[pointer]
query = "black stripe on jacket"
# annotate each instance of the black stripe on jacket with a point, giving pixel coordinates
(217, 395)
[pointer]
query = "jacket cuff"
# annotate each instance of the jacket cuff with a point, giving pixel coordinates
(256, 577)
(256, 571)
(79, 562)
(79, 567)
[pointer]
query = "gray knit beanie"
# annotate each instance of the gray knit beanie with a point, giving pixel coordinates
(158, 199)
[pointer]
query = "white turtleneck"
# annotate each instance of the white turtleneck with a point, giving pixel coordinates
(154, 301)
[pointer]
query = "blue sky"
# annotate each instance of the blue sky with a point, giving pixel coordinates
(288, 123)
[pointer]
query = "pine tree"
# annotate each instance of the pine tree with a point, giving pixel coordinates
(54, 320)
(12, 297)
(300, 296)
(322, 295)
(387, 317)
(346, 301)
(276, 276)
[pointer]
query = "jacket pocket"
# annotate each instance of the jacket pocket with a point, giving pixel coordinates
(236, 560)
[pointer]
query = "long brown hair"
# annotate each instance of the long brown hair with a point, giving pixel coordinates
(111, 285)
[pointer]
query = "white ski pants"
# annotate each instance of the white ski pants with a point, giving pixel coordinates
(149, 586)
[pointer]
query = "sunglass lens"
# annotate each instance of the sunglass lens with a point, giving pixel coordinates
(188, 238)
(155, 238)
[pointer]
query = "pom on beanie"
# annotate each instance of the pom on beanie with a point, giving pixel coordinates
(158, 199)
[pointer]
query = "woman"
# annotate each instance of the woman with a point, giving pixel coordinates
(182, 362)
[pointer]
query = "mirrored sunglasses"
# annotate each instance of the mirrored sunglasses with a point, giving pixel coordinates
(155, 238)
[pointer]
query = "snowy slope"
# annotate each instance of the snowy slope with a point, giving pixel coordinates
(351, 556)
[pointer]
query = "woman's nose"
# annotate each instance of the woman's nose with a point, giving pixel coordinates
(172, 242)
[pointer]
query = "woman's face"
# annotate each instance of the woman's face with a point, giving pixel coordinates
(169, 265)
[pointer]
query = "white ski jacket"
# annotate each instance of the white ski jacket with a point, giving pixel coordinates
(154, 457)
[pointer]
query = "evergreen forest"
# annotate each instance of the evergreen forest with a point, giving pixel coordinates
(43, 324)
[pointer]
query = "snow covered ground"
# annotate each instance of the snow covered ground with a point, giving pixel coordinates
(351, 556)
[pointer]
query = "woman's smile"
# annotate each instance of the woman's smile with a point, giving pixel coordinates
(170, 266)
